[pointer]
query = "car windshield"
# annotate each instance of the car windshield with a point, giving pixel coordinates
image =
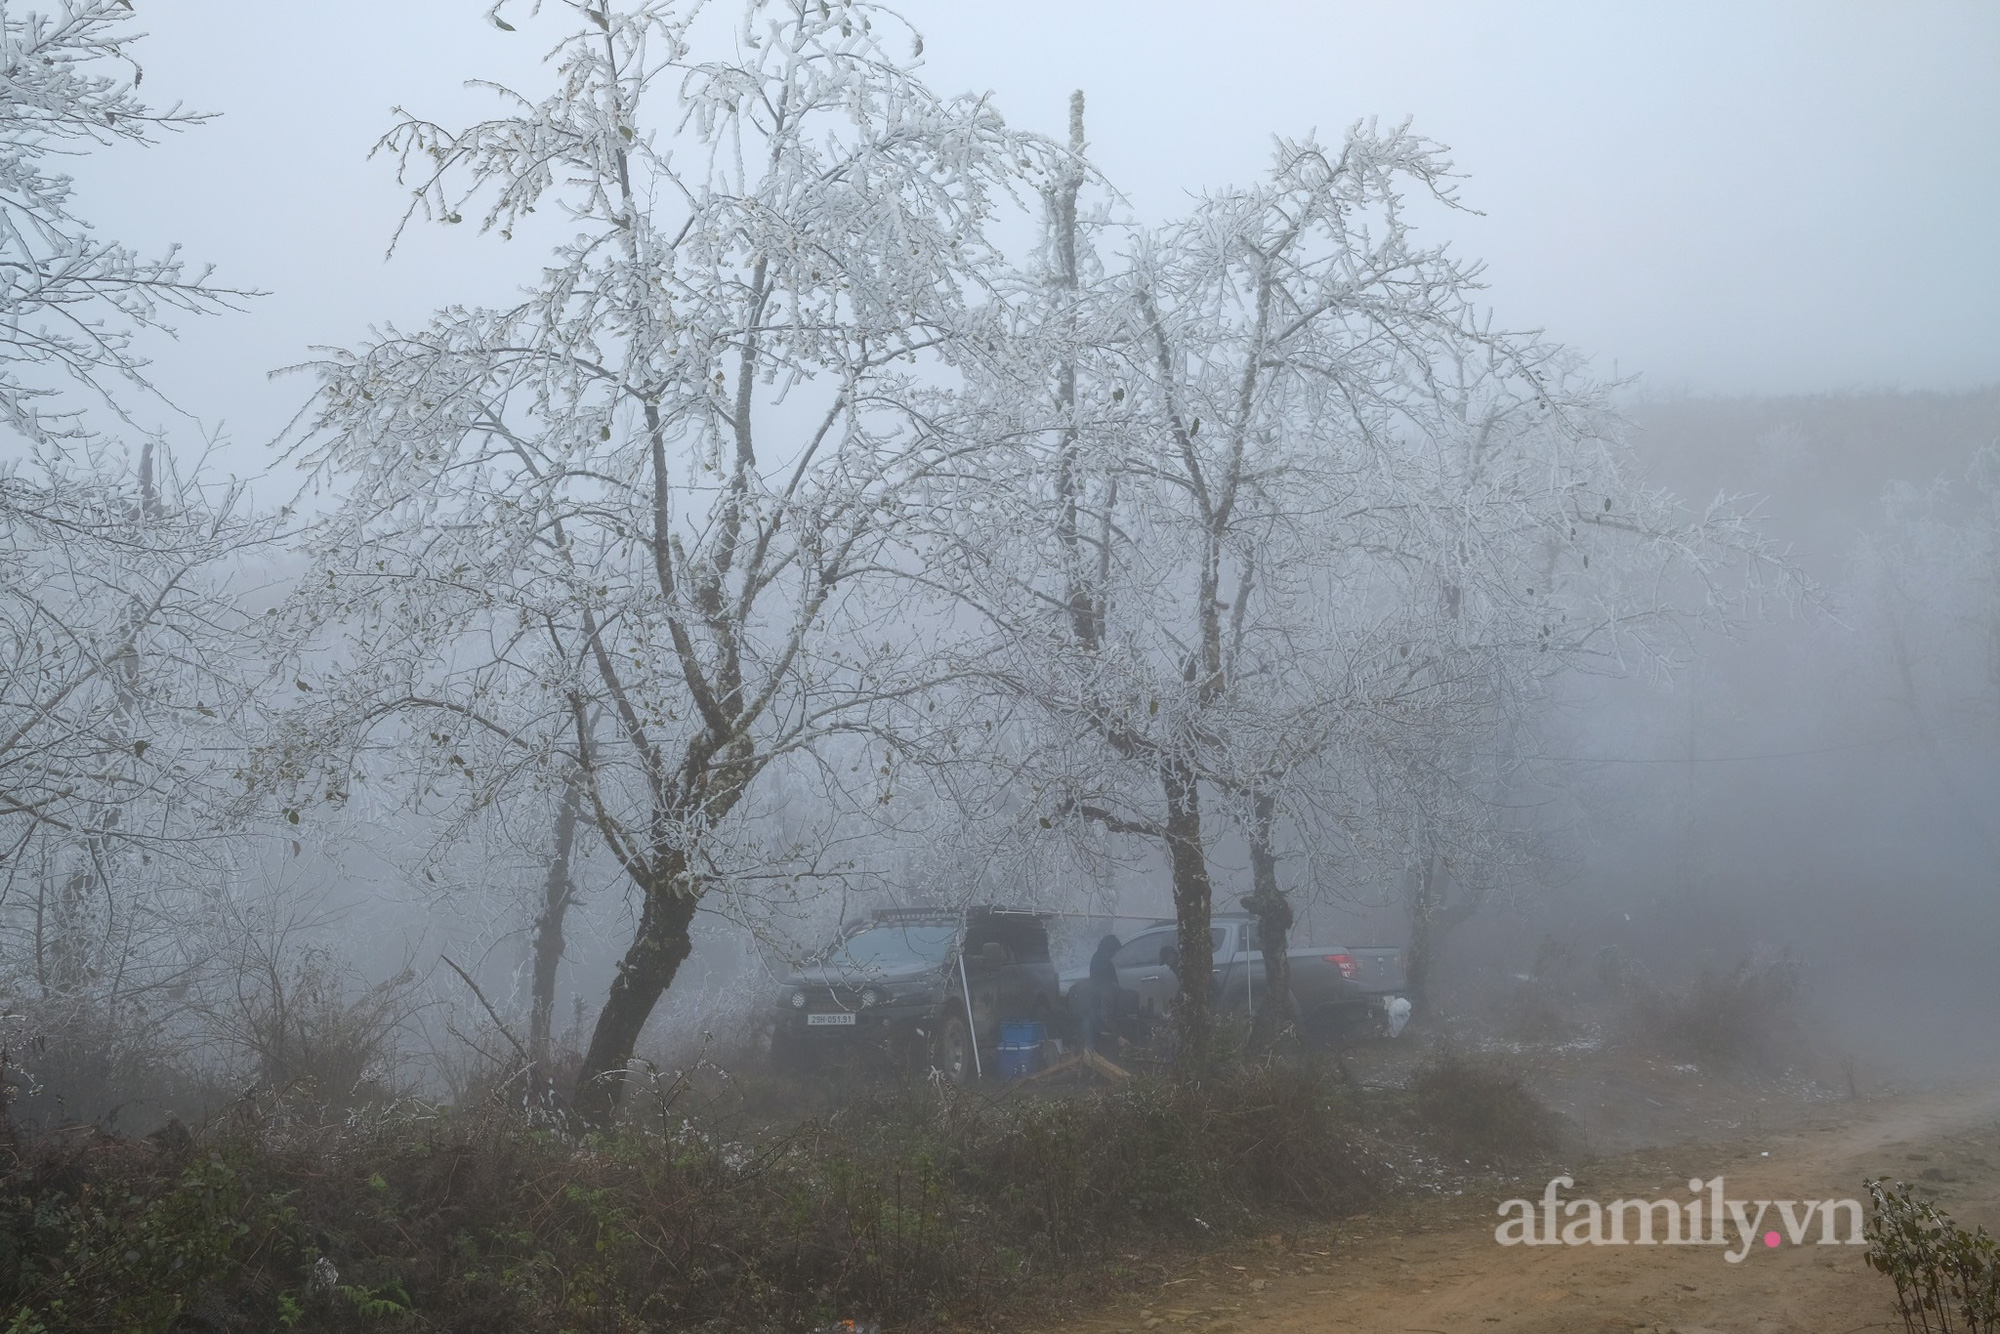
(893, 946)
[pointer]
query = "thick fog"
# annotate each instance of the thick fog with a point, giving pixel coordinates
(1716, 199)
(1770, 724)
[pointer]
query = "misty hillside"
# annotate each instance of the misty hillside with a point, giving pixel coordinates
(1824, 786)
(1824, 461)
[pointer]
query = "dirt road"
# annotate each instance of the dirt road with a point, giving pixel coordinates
(1433, 1267)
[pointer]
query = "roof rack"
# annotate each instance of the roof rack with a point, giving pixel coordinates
(915, 914)
(951, 914)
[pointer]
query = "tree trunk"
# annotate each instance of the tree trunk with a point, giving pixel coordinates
(1193, 901)
(1417, 971)
(1431, 920)
(1079, 595)
(658, 948)
(558, 892)
(1274, 923)
(1426, 926)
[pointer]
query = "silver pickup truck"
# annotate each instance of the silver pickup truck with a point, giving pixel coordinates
(1336, 989)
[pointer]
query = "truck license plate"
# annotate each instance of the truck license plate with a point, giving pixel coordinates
(829, 1020)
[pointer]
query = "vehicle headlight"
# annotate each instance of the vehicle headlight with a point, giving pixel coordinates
(872, 996)
(798, 1000)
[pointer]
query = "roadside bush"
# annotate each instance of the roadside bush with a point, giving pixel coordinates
(911, 1205)
(307, 1025)
(291, 1020)
(81, 1063)
(1075, 1175)
(1539, 1007)
(1947, 1279)
(1741, 1017)
(1481, 1112)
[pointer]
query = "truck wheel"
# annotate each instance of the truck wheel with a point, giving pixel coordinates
(951, 1051)
(1336, 1027)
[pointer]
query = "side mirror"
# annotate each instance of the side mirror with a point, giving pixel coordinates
(1170, 957)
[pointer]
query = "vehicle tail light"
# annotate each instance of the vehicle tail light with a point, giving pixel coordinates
(1344, 962)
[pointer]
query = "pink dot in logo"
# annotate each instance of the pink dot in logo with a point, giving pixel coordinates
(1772, 1239)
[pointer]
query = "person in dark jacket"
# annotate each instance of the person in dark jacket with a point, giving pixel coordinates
(1102, 969)
(1100, 993)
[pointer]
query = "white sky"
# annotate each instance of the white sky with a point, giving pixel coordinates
(1726, 197)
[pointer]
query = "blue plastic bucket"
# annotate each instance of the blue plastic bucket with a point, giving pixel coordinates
(1014, 1062)
(1020, 1050)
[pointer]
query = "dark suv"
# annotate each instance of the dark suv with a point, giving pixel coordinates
(898, 982)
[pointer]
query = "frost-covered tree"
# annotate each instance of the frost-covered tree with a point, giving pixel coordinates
(104, 559)
(665, 488)
(1288, 512)
(1521, 545)
(1207, 398)
(120, 633)
(120, 702)
(71, 301)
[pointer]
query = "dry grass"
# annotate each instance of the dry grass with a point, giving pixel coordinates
(1481, 1112)
(1741, 1018)
(910, 1204)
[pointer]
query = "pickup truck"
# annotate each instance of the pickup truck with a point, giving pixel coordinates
(898, 982)
(1336, 989)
